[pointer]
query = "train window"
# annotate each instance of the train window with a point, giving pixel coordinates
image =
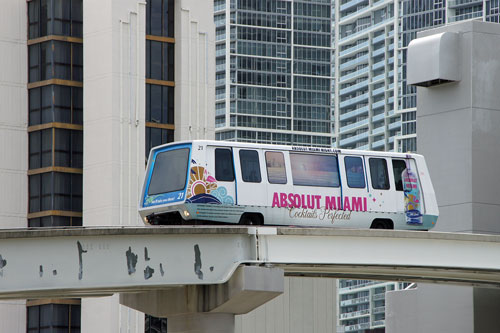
(250, 167)
(170, 171)
(314, 170)
(275, 163)
(355, 172)
(224, 170)
(398, 166)
(379, 174)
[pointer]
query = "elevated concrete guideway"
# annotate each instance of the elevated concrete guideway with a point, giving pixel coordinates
(98, 261)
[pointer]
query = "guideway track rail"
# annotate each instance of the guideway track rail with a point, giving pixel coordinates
(93, 261)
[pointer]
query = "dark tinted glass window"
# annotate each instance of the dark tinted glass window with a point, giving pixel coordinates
(159, 104)
(55, 60)
(160, 18)
(55, 191)
(170, 171)
(275, 164)
(54, 318)
(55, 103)
(154, 324)
(355, 172)
(156, 137)
(314, 170)
(398, 166)
(250, 166)
(379, 175)
(54, 221)
(55, 17)
(224, 170)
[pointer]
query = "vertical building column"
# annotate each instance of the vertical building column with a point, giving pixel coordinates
(455, 68)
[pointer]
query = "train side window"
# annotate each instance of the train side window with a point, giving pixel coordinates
(355, 172)
(314, 170)
(379, 174)
(275, 164)
(224, 170)
(398, 166)
(250, 167)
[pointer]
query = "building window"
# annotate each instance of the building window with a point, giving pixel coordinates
(55, 17)
(56, 147)
(53, 318)
(156, 137)
(55, 103)
(159, 104)
(55, 60)
(160, 18)
(55, 191)
(159, 60)
(155, 325)
(55, 221)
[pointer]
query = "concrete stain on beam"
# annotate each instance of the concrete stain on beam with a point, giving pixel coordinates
(197, 262)
(3, 263)
(80, 262)
(162, 272)
(148, 273)
(131, 261)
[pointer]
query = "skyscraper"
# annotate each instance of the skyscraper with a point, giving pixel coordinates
(274, 71)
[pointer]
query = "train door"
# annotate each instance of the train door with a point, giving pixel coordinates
(250, 177)
(382, 194)
(221, 169)
(354, 185)
(409, 193)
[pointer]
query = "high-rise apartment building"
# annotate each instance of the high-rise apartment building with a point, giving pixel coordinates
(274, 71)
(366, 74)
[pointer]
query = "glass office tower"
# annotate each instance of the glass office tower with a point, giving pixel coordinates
(274, 71)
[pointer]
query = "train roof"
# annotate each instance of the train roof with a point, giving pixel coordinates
(307, 149)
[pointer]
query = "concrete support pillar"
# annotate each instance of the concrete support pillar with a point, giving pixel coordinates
(210, 308)
(201, 323)
(456, 68)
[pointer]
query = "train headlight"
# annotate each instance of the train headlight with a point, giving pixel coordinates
(186, 213)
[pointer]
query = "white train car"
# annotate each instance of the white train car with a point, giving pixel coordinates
(229, 182)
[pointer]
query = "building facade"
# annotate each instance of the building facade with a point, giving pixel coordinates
(77, 121)
(274, 71)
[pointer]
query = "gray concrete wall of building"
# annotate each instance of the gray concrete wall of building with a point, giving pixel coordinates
(308, 305)
(457, 132)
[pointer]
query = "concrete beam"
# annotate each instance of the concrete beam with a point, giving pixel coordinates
(248, 288)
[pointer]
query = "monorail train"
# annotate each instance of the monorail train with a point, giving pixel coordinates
(255, 184)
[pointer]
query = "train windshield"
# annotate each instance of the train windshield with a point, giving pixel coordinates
(169, 171)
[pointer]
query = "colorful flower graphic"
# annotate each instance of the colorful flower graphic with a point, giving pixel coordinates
(200, 182)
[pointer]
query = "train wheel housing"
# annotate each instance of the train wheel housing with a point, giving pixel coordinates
(382, 224)
(251, 219)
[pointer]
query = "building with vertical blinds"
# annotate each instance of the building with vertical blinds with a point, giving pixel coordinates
(274, 71)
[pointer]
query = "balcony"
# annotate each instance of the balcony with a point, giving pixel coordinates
(378, 51)
(378, 104)
(355, 301)
(219, 7)
(351, 4)
(378, 91)
(378, 39)
(380, 309)
(378, 77)
(220, 23)
(378, 297)
(354, 314)
(220, 68)
(363, 29)
(378, 117)
(354, 113)
(452, 4)
(220, 82)
(357, 327)
(220, 37)
(378, 130)
(377, 144)
(465, 16)
(354, 138)
(354, 87)
(357, 286)
(354, 100)
(394, 125)
(354, 49)
(378, 65)
(220, 53)
(378, 323)
(354, 62)
(354, 74)
(349, 127)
